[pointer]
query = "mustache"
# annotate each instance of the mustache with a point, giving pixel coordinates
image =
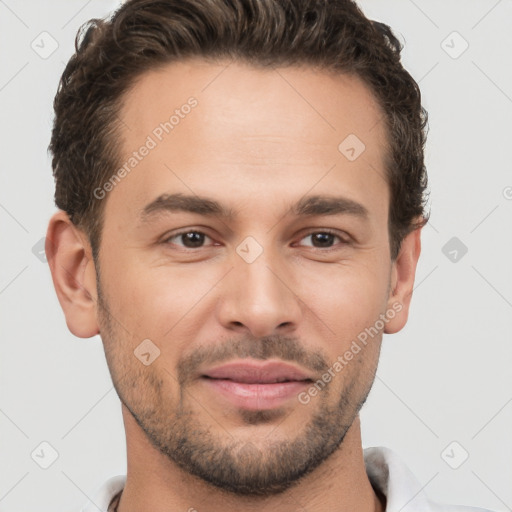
(275, 346)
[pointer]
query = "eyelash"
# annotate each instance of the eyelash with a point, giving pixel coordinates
(322, 249)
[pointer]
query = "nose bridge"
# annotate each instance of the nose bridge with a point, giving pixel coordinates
(261, 278)
(257, 294)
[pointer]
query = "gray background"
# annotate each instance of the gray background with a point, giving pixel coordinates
(445, 378)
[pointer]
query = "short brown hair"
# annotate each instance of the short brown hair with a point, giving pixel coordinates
(145, 34)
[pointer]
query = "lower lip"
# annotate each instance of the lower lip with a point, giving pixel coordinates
(256, 396)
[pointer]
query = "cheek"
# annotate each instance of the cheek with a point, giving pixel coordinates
(347, 297)
(153, 300)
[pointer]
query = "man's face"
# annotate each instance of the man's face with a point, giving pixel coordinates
(269, 283)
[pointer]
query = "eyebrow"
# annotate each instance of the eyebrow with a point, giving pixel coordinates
(307, 206)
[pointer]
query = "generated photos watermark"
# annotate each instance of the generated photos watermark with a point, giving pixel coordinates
(343, 360)
(151, 142)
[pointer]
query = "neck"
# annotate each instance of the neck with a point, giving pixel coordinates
(155, 483)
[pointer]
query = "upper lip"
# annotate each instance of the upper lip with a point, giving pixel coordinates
(257, 373)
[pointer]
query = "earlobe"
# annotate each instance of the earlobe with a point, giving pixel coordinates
(73, 274)
(403, 273)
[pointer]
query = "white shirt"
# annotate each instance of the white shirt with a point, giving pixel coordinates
(385, 470)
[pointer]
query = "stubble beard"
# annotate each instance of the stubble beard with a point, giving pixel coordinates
(243, 468)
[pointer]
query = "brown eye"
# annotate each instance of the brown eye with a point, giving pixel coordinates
(323, 239)
(189, 239)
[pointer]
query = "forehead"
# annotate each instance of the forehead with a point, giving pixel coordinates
(235, 129)
(238, 97)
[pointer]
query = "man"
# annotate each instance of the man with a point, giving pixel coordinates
(241, 189)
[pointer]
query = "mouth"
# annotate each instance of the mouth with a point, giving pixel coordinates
(255, 385)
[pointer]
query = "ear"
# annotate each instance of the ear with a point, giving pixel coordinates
(74, 277)
(403, 272)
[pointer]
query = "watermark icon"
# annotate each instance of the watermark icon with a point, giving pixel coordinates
(351, 147)
(44, 45)
(249, 249)
(454, 249)
(507, 193)
(151, 142)
(342, 361)
(455, 455)
(147, 352)
(44, 455)
(454, 45)
(38, 250)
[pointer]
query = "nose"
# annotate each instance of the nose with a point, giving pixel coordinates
(259, 297)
